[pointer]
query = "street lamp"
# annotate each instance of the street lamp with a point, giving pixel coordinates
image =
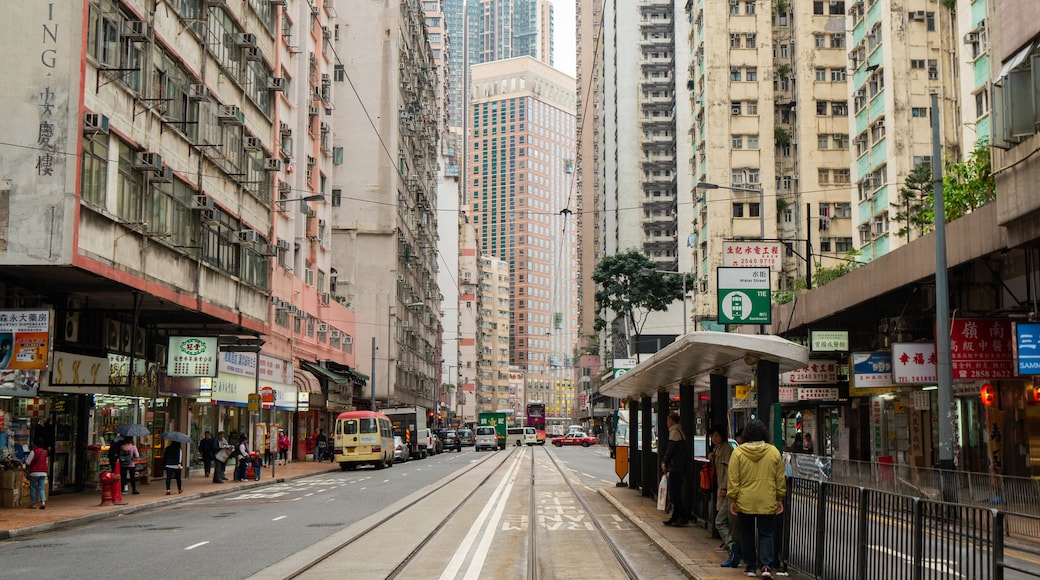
(761, 202)
(315, 197)
(683, 274)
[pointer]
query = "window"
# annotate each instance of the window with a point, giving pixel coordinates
(922, 160)
(737, 142)
(823, 176)
(841, 141)
(751, 74)
(823, 141)
(837, 7)
(840, 109)
(917, 63)
(752, 141)
(843, 245)
(734, 73)
(819, 41)
(919, 112)
(738, 210)
(129, 186)
(821, 108)
(838, 75)
(843, 210)
(750, 40)
(842, 176)
(930, 20)
(817, 8)
(95, 169)
(734, 40)
(783, 51)
(752, 107)
(838, 40)
(754, 210)
(749, 7)
(825, 244)
(981, 103)
(734, 9)
(821, 75)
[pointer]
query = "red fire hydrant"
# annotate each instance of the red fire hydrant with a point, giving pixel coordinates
(110, 487)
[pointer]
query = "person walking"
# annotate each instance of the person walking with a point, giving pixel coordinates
(807, 444)
(756, 490)
(113, 455)
(128, 455)
(798, 446)
(321, 443)
(207, 452)
(674, 464)
(36, 468)
(221, 452)
(720, 457)
(173, 461)
(283, 447)
(242, 459)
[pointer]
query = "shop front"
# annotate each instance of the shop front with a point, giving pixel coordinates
(237, 378)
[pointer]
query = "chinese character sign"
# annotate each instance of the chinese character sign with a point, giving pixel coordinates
(751, 255)
(829, 340)
(871, 370)
(24, 339)
(914, 363)
(1027, 348)
(192, 356)
(982, 348)
(817, 372)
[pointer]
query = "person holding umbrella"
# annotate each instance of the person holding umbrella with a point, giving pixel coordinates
(174, 463)
(128, 455)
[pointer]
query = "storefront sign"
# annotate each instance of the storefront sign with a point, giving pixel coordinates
(751, 255)
(995, 438)
(303, 401)
(818, 394)
(19, 383)
(871, 370)
(267, 397)
(788, 395)
(744, 296)
(24, 339)
(913, 363)
(1027, 348)
(622, 366)
(921, 400)
(78, 369)
(829, 340)
(192, 356)
(817, 372)
(916, 435)
(235, 389)
(982, 348)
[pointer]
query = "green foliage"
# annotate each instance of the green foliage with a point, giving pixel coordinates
(914, 210)
(785, 296)
(825, 275)
(970, 185)
(782, 136)
(626, 283)
(782, 6)
(783, 71)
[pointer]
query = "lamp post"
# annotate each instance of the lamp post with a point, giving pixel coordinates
(315, 197)
(761, 202)
(683, 274)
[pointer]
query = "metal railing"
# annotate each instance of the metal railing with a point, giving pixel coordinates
(836, 530)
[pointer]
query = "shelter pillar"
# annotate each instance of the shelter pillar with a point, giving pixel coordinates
(648, 458)
(635, 467)
(767, 380)
(719, 407)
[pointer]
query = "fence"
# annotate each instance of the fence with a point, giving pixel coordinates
(836, 530)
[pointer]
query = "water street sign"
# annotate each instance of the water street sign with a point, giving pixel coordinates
(744, 296)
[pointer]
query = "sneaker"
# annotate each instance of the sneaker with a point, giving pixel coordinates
(135, 492)
(766, 572)
(750, 573)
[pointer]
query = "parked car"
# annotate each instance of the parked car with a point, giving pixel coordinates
(466, 437)
(435, 446)
(487, 438)
(450, 440)
(574, 438)
(400, 451)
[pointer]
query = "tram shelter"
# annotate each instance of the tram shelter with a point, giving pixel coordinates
(701, 361)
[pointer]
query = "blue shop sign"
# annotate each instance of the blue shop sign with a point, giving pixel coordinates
(1027, 348)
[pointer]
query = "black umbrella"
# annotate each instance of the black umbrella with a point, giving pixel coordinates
(133, 430)
(177, 436)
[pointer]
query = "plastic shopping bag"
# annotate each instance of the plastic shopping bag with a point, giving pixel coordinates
(662, 493)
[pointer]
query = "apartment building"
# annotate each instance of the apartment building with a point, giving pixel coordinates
(975, 64)
(502, 29)
(384, 214)
(469, 349)
(143, 225)
(494, 297)
(520, 198)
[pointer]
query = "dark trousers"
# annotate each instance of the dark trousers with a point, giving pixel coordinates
(764, 537)
(129, 476)
(171, 474)
(207, 462)
(675, 491)
(218, 470)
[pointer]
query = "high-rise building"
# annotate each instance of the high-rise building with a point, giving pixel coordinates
(455, 60)
(493, 291)
(519, 196)
(384, 215)
(502, 29)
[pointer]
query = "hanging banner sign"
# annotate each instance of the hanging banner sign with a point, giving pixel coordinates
(914, 363)
(751, 255)
(24, 339)
(192, 356)
(817, 372)
(871, 370)
(1027, 348)
(829, 340)
(982, 348)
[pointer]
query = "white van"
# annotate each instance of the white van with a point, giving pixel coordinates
(425, 440)
(487, 438)
(522, 436)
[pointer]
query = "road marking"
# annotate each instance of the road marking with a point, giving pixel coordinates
(363, 489)
(308, 494)
(386, 481)
(193, 546)
(321, 491)
(933, 563)
(331, 499)
(279, 518)
(588, 474)
(297, 498)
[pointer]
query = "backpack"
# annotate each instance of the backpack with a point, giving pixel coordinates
(125, 457)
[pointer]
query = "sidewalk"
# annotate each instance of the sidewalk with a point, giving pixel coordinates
(71, 509)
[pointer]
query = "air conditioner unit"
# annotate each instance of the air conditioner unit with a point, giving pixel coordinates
(284, 130)
(231, 115)
(859, 93)
(322, 327)
(326, 32)
(284, 189)
(348, 340)
(198, 92)
(248, 237)
(971, 37)
(245, 39)
(252, 53)
(134, 30)
(311, 160)
(933, 73)
(276, 84)
(314, 111)
(95, 123)
(202, 202)
(321, 224)
(164, 175)
(266, 250)
(333, 333)
(147, 161)
(326, 297)
(315, 10)
(252, 144)
(283, 245)
(209, 216)
(272, 164)
(702, 286)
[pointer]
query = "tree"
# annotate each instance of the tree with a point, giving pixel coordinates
(970, 185)
(825, 275)
(628, 286)
(914, 209)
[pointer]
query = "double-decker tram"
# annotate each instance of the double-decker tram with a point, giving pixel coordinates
(536, 419)
(363, 438)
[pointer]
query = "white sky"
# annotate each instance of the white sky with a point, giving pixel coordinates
(564, 51)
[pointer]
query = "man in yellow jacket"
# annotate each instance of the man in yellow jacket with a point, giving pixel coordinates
(756, 490)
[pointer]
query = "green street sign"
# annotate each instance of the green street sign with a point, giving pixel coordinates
(745, 296)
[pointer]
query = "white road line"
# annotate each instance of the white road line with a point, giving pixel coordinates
(308, 495)
(331, 499)
(279, 518)
(386, 481)
(933, 563)
(297, 498)
(322, 491)
(363, 489)
(588, 474)
(193, 546)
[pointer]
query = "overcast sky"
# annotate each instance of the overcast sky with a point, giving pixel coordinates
(563, 28)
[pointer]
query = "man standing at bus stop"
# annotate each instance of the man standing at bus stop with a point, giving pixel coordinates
(720, 457)
(756, 489)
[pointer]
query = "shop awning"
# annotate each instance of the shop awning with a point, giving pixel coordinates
(358, 377)
(324, 373)
(698, 355)
(306, 382)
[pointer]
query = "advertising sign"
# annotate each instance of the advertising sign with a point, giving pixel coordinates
(829, 340)
(24, 339)
(913, 363)
(744, 296)
(1027, 348)
(751, 255)
(982, 348)
(871, 370)
(788, 395)
(192, 356)
(622, 365)
(818, 394)
(817, 372)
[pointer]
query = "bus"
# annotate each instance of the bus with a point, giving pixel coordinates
(536, 419)
(363, 438)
